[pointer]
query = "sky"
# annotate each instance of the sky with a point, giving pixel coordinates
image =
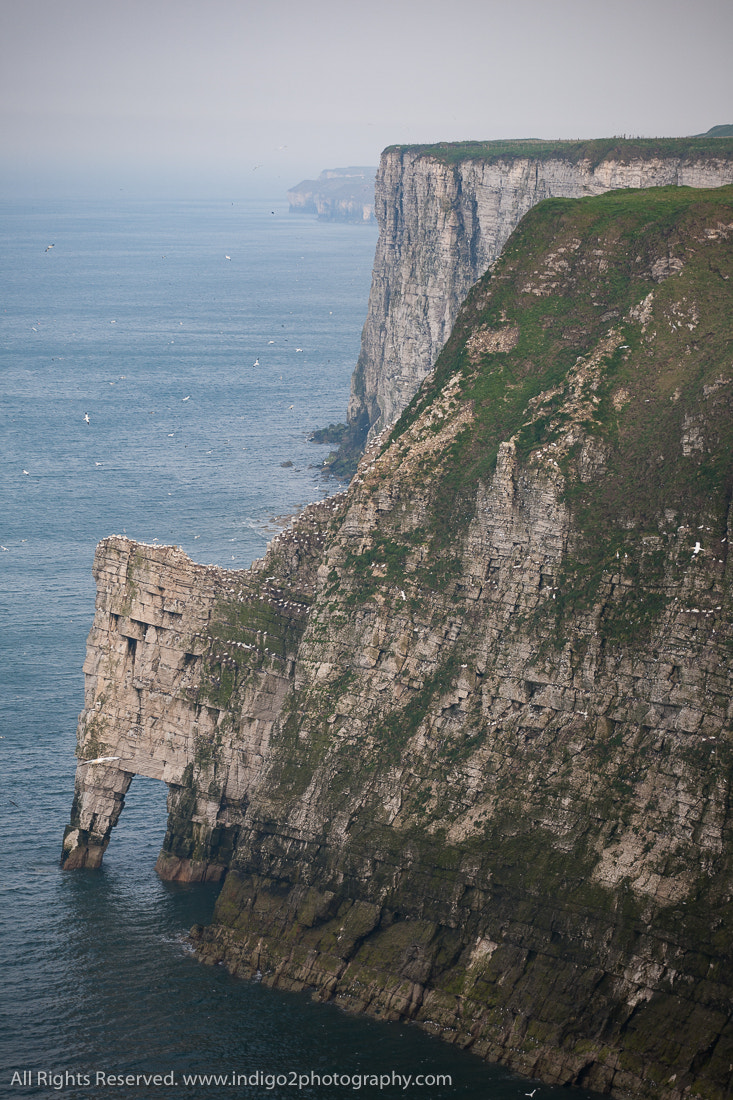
(198, 98)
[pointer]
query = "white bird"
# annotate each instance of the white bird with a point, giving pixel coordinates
(256, 363)
(50, 247)
(697, 549)
(86, 417)
(187, 398)
(227, 257)
(99, 760)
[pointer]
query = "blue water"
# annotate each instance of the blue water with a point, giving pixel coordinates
(203, 341)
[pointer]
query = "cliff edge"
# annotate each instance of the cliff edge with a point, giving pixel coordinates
(460, 745)
(445, 212)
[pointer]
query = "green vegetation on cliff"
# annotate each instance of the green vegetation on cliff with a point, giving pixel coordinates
(618, 323)
(594, 151)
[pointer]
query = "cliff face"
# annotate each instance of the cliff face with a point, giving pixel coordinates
(462, 740)
(445, 213)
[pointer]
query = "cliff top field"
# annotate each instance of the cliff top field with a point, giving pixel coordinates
(594, 151)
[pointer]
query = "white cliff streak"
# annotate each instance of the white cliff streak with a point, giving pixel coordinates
(441, 226)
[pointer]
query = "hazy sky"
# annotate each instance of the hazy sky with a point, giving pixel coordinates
(225, 96)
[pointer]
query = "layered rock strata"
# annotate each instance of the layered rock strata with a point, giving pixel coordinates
(170, 642)
(444, 215)
(462, 740)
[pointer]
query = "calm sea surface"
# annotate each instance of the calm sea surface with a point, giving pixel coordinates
(203, 341)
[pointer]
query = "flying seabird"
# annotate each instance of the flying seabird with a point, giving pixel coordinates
(99, 760)
(50, 247)
(86, 417)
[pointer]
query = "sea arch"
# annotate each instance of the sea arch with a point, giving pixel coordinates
(180, 687)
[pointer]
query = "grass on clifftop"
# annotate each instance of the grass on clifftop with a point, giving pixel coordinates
(595, 150)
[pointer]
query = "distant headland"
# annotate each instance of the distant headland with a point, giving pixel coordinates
(339, 194)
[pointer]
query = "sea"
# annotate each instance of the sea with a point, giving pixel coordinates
(163, 364)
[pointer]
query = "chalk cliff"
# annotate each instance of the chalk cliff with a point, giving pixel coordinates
(338, 195)
(444, 214)
(460, 745)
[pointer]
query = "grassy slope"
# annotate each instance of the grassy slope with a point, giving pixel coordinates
(647, 387)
